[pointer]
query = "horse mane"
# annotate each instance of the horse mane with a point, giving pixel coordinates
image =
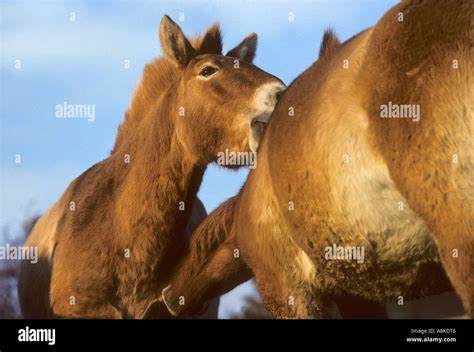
(157, 77)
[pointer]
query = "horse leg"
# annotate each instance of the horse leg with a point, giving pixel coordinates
(74, 302)
(285, 275)
(212, 265)
(288, 302)
(63, 310)
(189, 291)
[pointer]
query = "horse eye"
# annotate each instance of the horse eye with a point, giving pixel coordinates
(207, 71)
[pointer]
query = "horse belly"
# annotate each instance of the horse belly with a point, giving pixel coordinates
(385, 244)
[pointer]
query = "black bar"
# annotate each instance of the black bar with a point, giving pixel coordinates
(321, 335)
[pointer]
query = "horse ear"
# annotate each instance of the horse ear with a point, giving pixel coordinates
(329, 43)
(246, 49)
(211, 42)
(176, 47)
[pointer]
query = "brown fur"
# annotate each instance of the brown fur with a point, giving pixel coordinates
(211, 266)
(329, 43)
(109, 256)
(345, 169)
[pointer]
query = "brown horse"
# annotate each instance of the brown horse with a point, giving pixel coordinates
(109, 243)
(348, 200)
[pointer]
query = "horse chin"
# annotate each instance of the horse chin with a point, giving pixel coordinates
(257, 127)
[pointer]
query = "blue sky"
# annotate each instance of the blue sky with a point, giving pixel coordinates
(82, 62)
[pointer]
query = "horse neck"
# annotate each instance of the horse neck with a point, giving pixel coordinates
(163, 179)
